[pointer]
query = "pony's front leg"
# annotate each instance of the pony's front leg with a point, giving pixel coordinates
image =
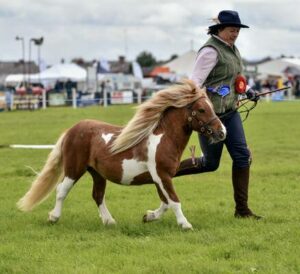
(156, 214)
(167, 189)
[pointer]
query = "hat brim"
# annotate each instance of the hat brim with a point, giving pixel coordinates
(228, 25)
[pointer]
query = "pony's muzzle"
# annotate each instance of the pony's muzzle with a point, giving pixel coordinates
(222, 135)
(218, 135)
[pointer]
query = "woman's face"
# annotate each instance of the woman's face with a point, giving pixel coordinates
(229, 34)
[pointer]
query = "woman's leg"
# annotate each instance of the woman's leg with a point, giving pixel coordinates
(237, 147)
(209, 161)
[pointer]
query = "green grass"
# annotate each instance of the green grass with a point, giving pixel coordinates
(79, 243)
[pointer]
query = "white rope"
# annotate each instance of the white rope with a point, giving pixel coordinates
(33, 146)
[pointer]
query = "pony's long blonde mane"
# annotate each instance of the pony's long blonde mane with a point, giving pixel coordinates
(148, 114)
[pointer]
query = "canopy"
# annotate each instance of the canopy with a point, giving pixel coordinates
(14, 78)
(61, 72)
(184, 64)
(278, 67)
(157, 70)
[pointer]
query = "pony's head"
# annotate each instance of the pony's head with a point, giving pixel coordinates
(202, 118)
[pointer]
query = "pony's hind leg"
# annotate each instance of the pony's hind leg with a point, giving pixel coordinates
(99, 197)
(156, 214)
(62, 191)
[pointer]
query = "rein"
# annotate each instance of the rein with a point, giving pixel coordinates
(243, 103)
(204, 127)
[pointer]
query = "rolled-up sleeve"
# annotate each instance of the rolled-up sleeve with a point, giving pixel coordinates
(206, 60)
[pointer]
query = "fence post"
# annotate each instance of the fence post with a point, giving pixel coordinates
(74, 103)
(105, 97)
(139, 92)
(12, 97)
(44, 98)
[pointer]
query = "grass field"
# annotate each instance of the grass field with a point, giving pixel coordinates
(79, 243)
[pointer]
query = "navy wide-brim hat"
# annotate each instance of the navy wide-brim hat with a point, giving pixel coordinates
(228, 18)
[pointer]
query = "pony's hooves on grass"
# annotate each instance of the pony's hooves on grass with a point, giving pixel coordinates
(187, 226)
(52, 219)
(109, 222)
(149, 216)
(145, 220)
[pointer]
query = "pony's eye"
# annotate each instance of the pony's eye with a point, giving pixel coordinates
(201, 110)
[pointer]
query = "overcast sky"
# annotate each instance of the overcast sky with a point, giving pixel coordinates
(94, 29)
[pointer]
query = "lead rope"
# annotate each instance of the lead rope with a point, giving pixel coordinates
(242, 103)
(246, 109)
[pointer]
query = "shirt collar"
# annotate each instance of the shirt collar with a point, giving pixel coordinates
(217, 37)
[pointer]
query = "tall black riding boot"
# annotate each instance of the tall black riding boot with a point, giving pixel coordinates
(240, 180)
(189, 167)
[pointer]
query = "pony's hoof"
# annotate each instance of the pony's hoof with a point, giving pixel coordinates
(52, 219)
(109, 222)
(186, 226)
(149, 216)
(145, 219)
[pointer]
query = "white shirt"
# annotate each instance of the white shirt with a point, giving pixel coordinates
(206, 60)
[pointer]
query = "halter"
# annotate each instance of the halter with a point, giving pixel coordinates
(204, 127)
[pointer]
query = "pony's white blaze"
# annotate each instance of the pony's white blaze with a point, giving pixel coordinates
(132, 168)
(224, 129)
(106, 137)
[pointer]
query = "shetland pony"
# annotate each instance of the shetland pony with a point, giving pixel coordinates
(146, 151)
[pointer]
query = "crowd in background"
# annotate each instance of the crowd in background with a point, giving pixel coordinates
(272, 83)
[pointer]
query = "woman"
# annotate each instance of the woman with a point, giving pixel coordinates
(218, 67)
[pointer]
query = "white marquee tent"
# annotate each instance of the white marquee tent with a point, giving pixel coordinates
(64, 72)
(183, 65)
(61, 72)
(277, 67)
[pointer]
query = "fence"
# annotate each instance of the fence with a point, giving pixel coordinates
(11, 101)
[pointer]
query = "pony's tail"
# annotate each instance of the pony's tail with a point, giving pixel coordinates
(46, 180)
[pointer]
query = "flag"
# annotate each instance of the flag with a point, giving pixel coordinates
(137, 70)
(103, 66)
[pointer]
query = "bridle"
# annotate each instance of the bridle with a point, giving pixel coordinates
(204, 126)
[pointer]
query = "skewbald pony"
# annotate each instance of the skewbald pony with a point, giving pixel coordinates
(148, 114)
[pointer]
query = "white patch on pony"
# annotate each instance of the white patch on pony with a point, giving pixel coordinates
(153, 142)
(107, 137)
(132, 168)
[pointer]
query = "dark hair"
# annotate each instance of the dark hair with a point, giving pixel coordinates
(215, 30)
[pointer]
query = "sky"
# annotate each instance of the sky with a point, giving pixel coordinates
(106, 29)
